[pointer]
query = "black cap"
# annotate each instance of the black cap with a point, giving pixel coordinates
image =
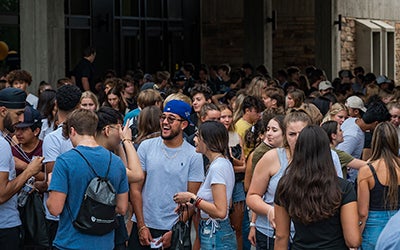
(31, 117)
(13, 98)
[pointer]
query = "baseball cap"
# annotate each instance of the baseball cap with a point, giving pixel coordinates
(382, 79)
(324, 85)
(345, 73)
(13, 98)
(31, 116)
(180, 108)
(355, 102)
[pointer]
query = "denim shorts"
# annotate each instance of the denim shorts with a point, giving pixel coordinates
(238, 192)
(373, 227)
(215, 236)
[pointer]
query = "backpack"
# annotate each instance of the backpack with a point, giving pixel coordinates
(96, 215)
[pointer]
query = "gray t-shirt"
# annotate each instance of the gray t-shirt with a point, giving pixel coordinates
(168, 171)
(219, 172)
(9, 215)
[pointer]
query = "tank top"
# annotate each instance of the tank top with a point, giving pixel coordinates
(262, 222)
(378, 193)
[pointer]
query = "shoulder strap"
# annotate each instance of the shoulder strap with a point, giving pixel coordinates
(371, 168)
(90, 166)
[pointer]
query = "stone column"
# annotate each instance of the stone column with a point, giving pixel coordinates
(42, 30)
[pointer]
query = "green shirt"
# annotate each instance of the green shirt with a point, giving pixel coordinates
(258, 152)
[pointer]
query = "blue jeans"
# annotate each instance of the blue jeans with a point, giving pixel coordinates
(217, 236)
(373, 227)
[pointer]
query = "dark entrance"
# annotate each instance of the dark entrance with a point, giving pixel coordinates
(131, 34)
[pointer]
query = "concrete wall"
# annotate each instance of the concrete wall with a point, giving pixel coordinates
(42, 40)
(373, 9)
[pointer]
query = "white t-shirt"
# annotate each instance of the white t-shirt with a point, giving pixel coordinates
(220, 172)
(54, 144)
(9, 216)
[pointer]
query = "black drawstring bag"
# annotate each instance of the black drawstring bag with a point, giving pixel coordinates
(33, 219)
(181, 235)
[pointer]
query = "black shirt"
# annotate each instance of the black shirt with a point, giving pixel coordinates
(84, 69)
(328, 233)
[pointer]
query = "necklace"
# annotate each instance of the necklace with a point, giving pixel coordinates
(168, 156)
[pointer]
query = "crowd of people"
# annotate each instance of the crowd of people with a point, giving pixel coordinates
(243, 156)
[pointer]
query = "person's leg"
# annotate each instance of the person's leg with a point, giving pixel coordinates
(246, 228)
(10, 238)
(195, 224)
(236, 218)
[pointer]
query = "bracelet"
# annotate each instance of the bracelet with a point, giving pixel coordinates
(269, 210)
(198, 200)
(252, 224)
(126, 139)
(141, 229)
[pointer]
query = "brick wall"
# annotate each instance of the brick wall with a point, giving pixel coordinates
(294, 42)
(223, 42)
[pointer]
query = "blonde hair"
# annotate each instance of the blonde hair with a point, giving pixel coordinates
(91, 95)
(178, 96)
(336, 108)
(257, 86)
(148, 97)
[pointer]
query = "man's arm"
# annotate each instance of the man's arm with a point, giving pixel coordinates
(56, 202)
(9, 188)
(85, 83)
(137, 203)
(122, 203)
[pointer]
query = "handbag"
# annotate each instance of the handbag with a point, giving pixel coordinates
(181, 234)
(33, 219)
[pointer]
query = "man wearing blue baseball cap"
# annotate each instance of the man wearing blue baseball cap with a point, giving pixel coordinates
(170, 164)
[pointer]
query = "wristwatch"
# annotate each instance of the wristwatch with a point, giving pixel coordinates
(192, 201)
(252, 224)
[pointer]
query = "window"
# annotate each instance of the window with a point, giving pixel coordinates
(376, 47)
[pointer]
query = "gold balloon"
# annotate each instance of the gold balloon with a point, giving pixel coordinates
(3, 50)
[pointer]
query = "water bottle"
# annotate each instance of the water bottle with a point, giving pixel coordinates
(25, 191)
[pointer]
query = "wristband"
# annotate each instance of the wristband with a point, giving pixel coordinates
(198, 200)
(252, 224)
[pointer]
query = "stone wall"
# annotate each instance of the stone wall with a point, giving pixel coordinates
(397, 56)
(348, 45)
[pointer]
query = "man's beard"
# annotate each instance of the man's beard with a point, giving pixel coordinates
(172, 135)
(8, 125)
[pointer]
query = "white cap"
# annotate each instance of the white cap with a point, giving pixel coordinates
(355, 102)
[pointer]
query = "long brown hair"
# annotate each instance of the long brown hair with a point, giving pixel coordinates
(385, 146)
(309, 189)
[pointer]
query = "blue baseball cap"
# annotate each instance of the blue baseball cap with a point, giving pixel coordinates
(180, 108)
(31, 117)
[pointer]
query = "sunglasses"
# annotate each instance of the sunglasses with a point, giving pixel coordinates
(170, 119)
